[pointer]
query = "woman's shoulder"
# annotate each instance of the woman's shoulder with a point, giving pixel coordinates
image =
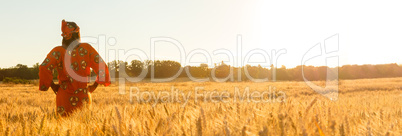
(86, 46)
(58, 48)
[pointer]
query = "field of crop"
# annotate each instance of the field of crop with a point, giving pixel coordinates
(364, 107)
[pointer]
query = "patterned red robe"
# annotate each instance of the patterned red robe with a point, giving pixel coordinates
(73, 69)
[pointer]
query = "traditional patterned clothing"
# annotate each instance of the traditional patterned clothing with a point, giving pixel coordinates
(73, 67)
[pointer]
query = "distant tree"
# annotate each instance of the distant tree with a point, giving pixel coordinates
(135, 68)
(114, 67)
(35, 71)
(282, 73)
(22, 71)
(222, 70)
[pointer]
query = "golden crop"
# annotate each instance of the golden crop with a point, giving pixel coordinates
(364, 107)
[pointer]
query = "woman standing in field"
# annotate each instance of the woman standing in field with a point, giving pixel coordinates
(72, 61)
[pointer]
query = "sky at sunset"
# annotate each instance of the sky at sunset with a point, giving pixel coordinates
(368, 32)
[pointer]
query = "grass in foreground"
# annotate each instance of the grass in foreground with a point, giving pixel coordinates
(364, 107)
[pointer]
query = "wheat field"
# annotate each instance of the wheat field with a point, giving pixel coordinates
(364, 107)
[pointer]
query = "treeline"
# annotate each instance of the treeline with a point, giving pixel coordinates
(20, 72)
(222, 71)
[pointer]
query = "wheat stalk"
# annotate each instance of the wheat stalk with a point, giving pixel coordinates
(309, 106)
(368, 129)
(68, 132)
(104, 126)
(166, 110)
(263, 132)
(183, 131)
(243, 131)
(347, 125)
(332, 126)
(203, 117)
(1, 126)
(227, 131)
(42, 123)
(120, 119)
(318, 127)
(199, 126)
(7, 131)
(292, 123)
(281, 126)
(342, 130)
(147, 127)
(23, 123)
(159, 125)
